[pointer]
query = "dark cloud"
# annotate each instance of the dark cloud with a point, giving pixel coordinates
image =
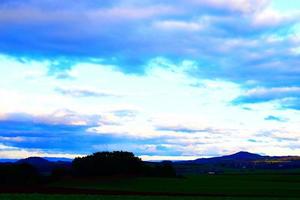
(40, 135)
(35, 132)
(43, 133)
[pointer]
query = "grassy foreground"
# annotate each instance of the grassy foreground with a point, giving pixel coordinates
(248, 185)
(86, 197)
(204, 187)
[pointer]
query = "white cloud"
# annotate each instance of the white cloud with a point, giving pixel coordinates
(162, 158)
(23, 153)
(197, 114)
(243, 6)
(269, 17)
(178, 25)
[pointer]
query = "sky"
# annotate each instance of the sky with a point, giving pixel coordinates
(167, 79)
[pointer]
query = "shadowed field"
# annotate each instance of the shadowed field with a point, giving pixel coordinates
(241, 185)
(87, 197)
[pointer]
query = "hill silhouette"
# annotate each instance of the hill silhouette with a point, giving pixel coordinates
(118, 162)
(36, 161)
(240, 156)
(44, 166)
(240, 161)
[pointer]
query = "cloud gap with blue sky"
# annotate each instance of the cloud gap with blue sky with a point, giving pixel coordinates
(176, 79)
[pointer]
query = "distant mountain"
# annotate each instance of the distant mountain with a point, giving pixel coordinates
(240, 156)
(243, 155)
(4, 160)
(238, 161)
(43, 165)
(54, 159)
(51, 159)
(34, 161)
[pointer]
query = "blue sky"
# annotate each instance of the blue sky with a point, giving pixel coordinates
(164, 79)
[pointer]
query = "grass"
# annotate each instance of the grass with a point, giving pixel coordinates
(278, 185)
(87, 197)
(236, 186)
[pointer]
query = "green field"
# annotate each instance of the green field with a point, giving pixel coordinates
(265, 185)
(86, 197)
(205, 187)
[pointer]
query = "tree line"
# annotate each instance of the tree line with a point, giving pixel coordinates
(98, 164)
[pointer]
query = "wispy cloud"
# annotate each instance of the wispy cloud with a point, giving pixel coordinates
(77, 92)
(269, 94)
(58, 117)
(286, 97)
(275, 118)
(182, 129)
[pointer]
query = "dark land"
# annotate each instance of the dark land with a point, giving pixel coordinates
(121, 175)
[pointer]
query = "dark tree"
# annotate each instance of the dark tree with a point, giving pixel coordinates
(108, 163)
(18, 174)
(165, 169)
(60, 172)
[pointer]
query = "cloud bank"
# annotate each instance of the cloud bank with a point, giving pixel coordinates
(235, 40)
(178, 78)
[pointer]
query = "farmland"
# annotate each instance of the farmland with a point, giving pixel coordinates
(203, 187)
(87, 197)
